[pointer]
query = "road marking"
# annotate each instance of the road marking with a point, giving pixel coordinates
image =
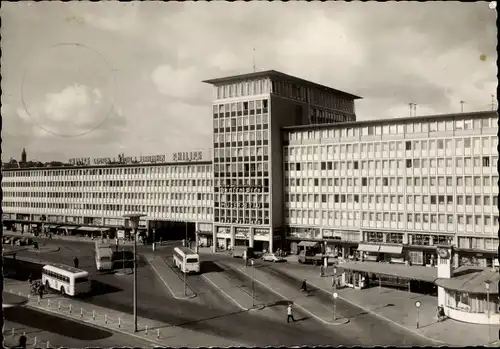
(166, 284)
(224, 292)
(380, 316)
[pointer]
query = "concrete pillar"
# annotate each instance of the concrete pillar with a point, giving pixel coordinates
(431, 240)
(233, 238)
(345, 252)
(214, 239)
(410, 240)
(405, 238)
(271, 241)
(251, 238)
(384, 237)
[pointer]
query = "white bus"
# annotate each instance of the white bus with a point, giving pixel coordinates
(103, 257)
(66, 279)
(186, 260)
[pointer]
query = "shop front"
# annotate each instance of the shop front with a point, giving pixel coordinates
(340, 243)
(241, 236)
(261, 239)
(294, 236)
(368, 252)
(223, 235)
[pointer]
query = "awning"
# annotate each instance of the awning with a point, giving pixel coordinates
(391, 249)
(88, 228)
(399, 270)
(104, 229)
(471, 280)
(308, 243)
(368, 248)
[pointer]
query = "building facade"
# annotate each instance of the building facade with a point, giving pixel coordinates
(399, 184)
(291, 164)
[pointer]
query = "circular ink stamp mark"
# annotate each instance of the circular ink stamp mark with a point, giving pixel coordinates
(68, 90)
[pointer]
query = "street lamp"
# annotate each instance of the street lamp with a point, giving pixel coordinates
(154, 247)
(134, 219)
(487, 286)
(335, 296)
(417, 305)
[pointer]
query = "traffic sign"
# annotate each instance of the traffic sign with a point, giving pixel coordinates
(335, 295)
(418, 304)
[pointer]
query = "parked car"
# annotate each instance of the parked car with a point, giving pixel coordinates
(271, 257)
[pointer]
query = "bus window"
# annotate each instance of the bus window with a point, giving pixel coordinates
(192, 260)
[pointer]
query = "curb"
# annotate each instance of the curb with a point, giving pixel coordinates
(383, 317)
(88, 323)
(166, 284)
(49, 250)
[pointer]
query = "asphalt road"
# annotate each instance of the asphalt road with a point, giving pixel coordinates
(364, 327)
(61, 332)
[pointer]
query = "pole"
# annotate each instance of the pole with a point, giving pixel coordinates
(154, 241)
(123, 259)
(135, 279)
(185, 285)
(334, 293)
(418, 317)
(253, 285)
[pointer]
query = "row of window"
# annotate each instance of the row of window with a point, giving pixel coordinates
(240, 152)
(164, 183)
(468, 200)
(114, 196)
(428, 148)
(406, 127)
(377, 183)
(170, 169)
(244, 88)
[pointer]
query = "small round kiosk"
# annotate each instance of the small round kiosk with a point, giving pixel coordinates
(471, 295)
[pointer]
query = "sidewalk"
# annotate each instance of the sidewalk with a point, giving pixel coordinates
(170, 278)
(66, 238)
(398, 307)
(158, 333)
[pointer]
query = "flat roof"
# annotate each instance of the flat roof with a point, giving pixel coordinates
(473, 115)
(277, 74)
(399, 270)
(471, 280)
(77, 167)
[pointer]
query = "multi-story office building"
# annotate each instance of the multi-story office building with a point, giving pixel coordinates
(248, 113)
(414, 182)
(100, 195)
(290, 162)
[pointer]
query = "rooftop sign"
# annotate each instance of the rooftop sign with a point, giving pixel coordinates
(122, 159)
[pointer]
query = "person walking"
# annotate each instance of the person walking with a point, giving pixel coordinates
(22, 341)
(289, 313)
(76, 262)
(303, 286)
(40, 291)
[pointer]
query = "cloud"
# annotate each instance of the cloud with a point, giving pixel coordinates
(181, 83)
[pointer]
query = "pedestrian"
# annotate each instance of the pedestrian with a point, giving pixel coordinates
(76, 262)
(22, 341)
(40, 291)
(289, 314)
(303, 286)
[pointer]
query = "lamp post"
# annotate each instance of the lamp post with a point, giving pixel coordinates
(487, 286)
(335, 296)
(134, 219)
(154, 241)
(417, 305)
(253, 282)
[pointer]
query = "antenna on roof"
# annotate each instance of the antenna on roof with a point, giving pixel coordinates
(462, 105)
(414, 109)
(254, 60)
(411, 107)
(493, 102)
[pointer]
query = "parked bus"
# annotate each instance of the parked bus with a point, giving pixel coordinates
(186, 260)
(66, 279)
(103, 256)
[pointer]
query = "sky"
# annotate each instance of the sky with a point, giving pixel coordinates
(83, 79)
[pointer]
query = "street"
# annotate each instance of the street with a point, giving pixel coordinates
(60, 332)
(212, 312)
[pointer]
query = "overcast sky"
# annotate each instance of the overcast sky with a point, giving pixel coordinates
(98, 79)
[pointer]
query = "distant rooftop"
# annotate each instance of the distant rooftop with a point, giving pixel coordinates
(277, 74)
(472, 115)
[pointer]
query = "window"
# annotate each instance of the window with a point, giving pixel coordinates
(408, 163)
(486, 161)
(408, 145)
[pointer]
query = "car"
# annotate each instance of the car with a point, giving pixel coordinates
(271, 257)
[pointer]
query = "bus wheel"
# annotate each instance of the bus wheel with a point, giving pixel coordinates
(62, 290)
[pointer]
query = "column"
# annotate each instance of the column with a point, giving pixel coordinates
(252, 236)
(405, 238)
(384, 237)
(410, 239)
(233, 238)
(196, 237)
(431, 240)
(345, 251)
(271, 241)
(214, 239)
